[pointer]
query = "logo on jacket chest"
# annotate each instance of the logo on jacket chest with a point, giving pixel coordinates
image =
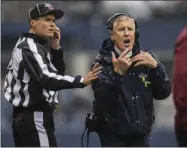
(144, 79)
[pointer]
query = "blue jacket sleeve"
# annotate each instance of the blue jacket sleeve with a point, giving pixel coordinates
(105, 93)
(104, 87)
(160, 82)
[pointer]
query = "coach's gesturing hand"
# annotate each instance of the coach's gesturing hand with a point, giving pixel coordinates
(122, 63)
(93, 74)
(144, 59)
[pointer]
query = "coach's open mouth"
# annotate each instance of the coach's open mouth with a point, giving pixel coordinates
(127, 42)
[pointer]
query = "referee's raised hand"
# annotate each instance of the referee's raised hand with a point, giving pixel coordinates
(55, 40)
(93, 74)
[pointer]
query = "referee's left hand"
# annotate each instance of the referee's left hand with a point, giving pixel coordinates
(93, 74)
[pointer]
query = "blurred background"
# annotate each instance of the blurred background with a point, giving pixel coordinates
(83, 30)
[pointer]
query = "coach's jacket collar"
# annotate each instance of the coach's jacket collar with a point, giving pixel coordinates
(35, 37)
(108, 47)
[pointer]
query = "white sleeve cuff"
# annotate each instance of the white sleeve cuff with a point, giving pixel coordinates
(82, 80)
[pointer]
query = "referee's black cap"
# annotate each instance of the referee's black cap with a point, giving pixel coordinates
(43, 9)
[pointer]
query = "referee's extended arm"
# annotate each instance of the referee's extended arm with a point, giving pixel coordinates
(39, 68)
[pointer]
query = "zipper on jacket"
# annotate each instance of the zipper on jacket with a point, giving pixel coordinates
(134, 103)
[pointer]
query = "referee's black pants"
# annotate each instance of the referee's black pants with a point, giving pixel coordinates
(32, 128)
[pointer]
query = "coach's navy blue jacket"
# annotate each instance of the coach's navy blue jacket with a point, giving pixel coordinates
(126, 102)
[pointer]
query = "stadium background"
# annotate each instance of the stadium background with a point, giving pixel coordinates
(83, 30)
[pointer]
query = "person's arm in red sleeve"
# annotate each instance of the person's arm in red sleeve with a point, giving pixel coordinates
(180, 72)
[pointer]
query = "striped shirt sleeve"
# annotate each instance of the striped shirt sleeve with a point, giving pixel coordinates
(58, 60)
(38, 66)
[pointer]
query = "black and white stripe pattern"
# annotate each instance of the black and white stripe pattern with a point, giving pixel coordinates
(32, 77)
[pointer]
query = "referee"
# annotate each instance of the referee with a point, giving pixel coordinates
(35, 75)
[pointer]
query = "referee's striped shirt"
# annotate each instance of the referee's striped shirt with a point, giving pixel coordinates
(35, 75)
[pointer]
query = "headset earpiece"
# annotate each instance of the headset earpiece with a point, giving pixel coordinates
(136, 30)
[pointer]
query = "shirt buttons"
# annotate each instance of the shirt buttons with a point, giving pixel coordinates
(133, 74)
(137, 121)
(130, 74)
(136, 97)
